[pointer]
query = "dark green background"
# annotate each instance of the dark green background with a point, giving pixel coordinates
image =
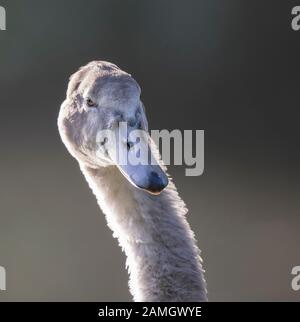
(228, 67)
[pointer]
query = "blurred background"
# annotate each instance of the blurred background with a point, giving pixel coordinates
(230, 68)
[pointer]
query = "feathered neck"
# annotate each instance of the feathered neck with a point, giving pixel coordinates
(162, 257)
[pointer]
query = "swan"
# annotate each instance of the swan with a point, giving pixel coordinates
(140, 202)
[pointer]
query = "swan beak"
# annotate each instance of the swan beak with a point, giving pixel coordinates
(150, 178)
(144, 173)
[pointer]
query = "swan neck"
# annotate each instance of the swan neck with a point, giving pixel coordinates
(162, 257)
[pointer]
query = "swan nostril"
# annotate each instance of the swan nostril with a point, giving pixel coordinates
(104, 141)
(129, 145)
(131, 122)
(139, 125)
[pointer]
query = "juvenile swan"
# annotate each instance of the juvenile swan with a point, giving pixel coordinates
(140, 203)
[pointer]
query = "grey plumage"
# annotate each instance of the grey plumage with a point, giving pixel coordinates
(162, 257)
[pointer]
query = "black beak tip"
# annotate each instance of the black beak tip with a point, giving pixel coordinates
(157, 183)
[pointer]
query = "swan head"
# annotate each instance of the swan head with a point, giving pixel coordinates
(102, 122)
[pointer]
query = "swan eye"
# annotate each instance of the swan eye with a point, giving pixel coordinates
(90, 102)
